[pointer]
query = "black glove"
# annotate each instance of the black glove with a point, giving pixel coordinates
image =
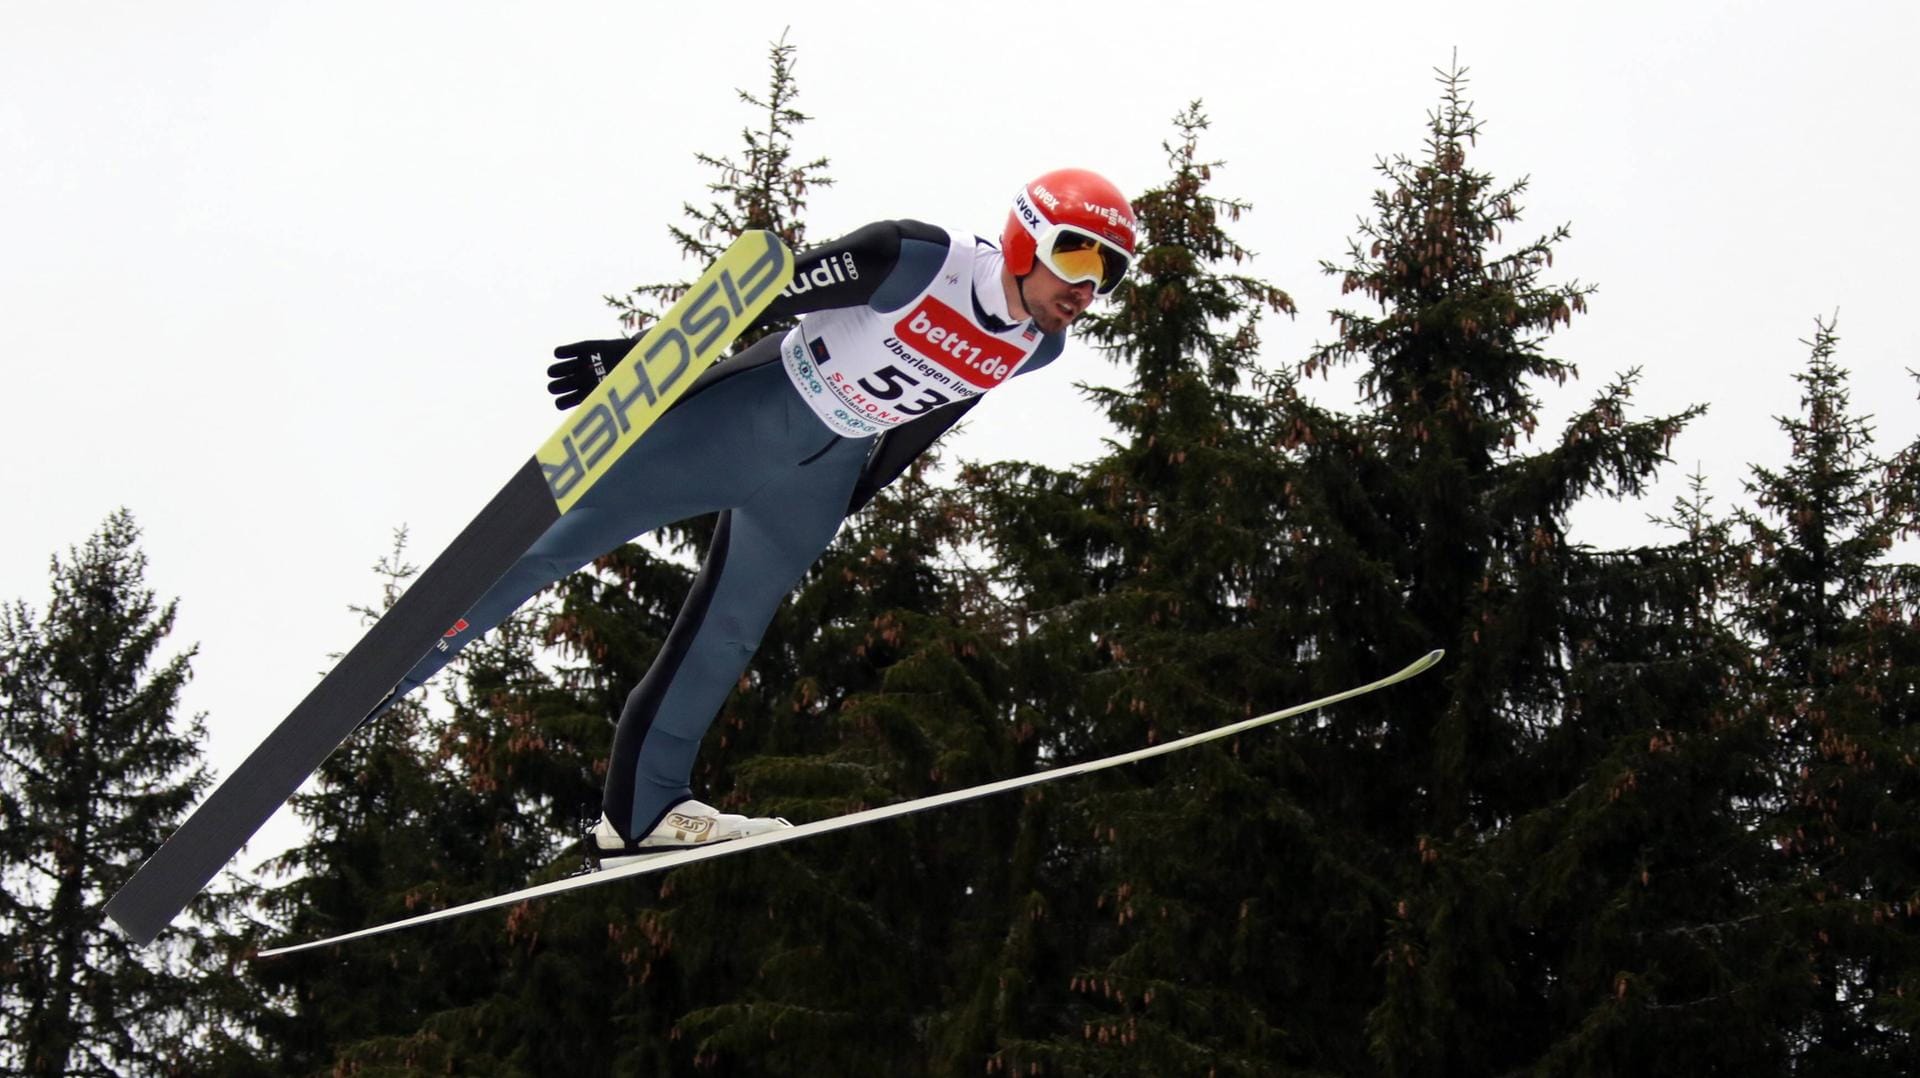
(582, 365)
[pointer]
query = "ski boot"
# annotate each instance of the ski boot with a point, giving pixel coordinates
(684, 826)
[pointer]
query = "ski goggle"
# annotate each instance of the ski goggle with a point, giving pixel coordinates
(1075, 255)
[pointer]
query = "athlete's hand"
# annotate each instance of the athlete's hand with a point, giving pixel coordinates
(582, 365)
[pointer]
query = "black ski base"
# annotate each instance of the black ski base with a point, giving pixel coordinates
(479, 556)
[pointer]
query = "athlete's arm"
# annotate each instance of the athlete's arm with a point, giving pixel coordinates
(851, 270)
(848, 272)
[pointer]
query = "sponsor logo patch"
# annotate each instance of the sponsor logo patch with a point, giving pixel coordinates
(829, 272)
(689, 826)
(1028, 215)
(459, 626)
(1116, 218)
(953, 341)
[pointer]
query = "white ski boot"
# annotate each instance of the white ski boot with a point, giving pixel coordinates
(687, 824)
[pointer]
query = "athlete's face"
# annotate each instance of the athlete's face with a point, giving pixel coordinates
(1052, 303)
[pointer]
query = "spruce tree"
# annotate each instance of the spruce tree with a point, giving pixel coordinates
(1135, 584)
(96, 769)
(1837, 627)
(1442, 945)
(765, 188)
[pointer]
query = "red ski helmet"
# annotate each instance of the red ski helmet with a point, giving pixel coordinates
(1074, 221)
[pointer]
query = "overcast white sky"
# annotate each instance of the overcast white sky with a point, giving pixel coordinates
(279, 276)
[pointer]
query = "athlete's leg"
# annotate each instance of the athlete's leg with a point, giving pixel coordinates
(760, 552)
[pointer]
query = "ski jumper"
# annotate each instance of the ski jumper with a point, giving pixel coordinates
(903, 326)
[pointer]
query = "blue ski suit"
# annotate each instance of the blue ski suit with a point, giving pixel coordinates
(903, 326)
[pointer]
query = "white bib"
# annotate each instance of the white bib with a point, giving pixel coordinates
(863, 371)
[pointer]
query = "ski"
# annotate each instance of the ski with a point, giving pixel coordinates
(656, 370)
(663, 862)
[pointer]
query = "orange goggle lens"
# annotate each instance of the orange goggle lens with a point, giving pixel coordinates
(1077, 256)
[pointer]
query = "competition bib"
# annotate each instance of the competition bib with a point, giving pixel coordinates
(863, 371)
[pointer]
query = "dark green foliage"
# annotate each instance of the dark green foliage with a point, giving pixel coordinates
(1640, 887)
(1513, 838)
(1837, 678)
(95, 770)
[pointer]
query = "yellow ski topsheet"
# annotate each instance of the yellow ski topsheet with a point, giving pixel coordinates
(663, 363)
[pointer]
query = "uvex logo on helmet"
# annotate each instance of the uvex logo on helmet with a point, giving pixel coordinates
(1074, 197)
(1029, 216)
